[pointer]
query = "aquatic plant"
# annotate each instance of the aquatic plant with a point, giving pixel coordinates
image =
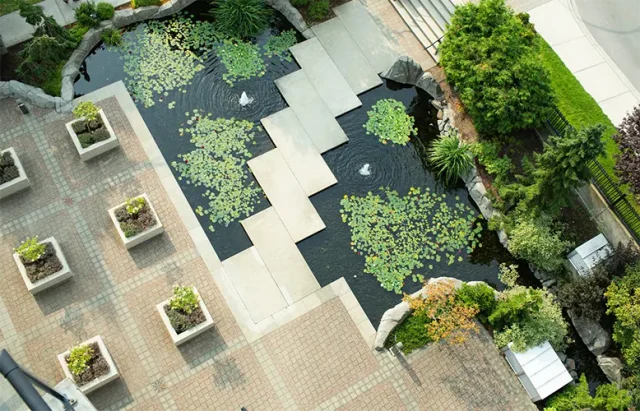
(279, 45)
(218, 163)
(165, 56)
(241, 59)
(451, 156)
(112, 37)
(389, 121)
(397, 235)
(241, 18)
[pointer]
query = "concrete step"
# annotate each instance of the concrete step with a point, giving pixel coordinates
(448, 4)
(286, 195)
(345, 53)
(299, 152)
(325, 77)
(280, 255)
(367, 35)
(426, 23)
(314, 115)
(438, 11)
(415, 29)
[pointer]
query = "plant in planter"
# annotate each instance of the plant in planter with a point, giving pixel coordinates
(89, 364)
(41, 264)
(12, 175)
(91, 132)
(185, 315)
(136, 220)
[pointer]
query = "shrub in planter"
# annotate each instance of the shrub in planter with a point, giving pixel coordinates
(8, 169)
(13, 178)
(86, 14)
(39, 259)
(135, 217)
(104, 11)
(144, 3)
(91, 132)
(185, 315)
(319, 9)
(89, 364)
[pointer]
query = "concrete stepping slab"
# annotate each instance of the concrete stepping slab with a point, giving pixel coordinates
(325, 77)
(367, 35)
(280, 255)
(286, 195)
(346, 55)
(299, 152)
(314, 115)
(254, 283)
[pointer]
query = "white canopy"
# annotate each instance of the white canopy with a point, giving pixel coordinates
(539, 369)
(589, 254)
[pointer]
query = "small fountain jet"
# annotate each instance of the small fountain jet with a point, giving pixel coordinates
(245, 100)
(365, 170)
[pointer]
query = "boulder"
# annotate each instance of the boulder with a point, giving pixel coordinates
(290, 13)
(438, 104)
(593, 335)
(123, 18)
(41, 99)
(4, 88)
(477, 192)
(429, 84)
(143, 13)
(165, 10)
(570, 363)
(67, 89)
(470, 175)
(502, 237)
(72, 67)
(404, 70)
(19, 90)
(611, 367)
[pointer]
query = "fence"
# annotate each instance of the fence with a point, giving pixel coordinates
(604, 182)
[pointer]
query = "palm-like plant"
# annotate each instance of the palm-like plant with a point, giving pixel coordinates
(451, 156)
(241, 18)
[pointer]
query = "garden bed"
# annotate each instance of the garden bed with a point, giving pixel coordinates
(136, 221)
(45, 272)
(92, 138)
(12, 175)
(183, 326)
(100, 368)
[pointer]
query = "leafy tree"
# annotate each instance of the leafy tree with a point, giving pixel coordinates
(40, 57)
(44, 25)
(488, 54)
(241, 18)
(628, 139)
(578, 398)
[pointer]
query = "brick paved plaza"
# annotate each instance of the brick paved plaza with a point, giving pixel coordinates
(318, 361)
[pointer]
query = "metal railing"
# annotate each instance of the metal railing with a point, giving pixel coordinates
(604, 182)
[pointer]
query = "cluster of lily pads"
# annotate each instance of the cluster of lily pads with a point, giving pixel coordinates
(398, 235)
(241, 59)
(389, 121)
(279, 45)
(218, 163)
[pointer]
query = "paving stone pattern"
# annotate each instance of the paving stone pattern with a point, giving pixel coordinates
(317, 362)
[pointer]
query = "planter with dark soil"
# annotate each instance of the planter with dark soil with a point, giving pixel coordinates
(100, 368)
(48, 270)
(184, 326)
(92, 138)
(134, 228)
(12, 175)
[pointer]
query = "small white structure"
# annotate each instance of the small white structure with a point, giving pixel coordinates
(150, 232)
(97, 148)
(589, 254)
(50, 280)
(191, 333)
(100, 381)
(539, 369)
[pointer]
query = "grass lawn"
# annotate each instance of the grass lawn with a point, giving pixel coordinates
(8, 6)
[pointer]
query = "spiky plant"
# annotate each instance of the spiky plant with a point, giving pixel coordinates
(451, 156)
(241, 18)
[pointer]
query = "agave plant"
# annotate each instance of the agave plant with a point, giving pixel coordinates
(451, 156)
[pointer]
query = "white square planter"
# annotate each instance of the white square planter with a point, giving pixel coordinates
(50, 280)
(17, 184)
(100, 381)
(143, 236)
(94, 149)
(191, 333)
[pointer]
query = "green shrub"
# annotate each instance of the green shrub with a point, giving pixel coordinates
(299, 3)
(499, 166)
(480, 296)
(86, 109)
(105, 11)
(78, 358)
(40, 59)
(86, 14)
(134, 205)
(508, 274)
(319, 9)
(78, 31)
(112, 37)
(184, 299)
(144, 3)
(30, 250)
(241, 18)
(488, 55)
(411, 332)
(577, 398)
(451, 157)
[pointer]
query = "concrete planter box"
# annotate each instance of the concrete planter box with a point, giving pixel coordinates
(49, 281)
(17, 184)
(100, 381)
(94, 149)
(190, 333)
(140, 238)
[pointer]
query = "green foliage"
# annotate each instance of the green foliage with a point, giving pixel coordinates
(488, 55)
(496, 164)
(528, 317)
(480, 296)
(33, 14)
(104, 11)
(78, 31)
(78, 358)
(508, 274)
(319, 9)
(112, 37)
(144, 3)
(134, 205)
(184, 299)
(241, 18)
(411, 332)
(87, 110)
(164, 56)
(219, 164)
(242, 61)
(299, 3)
(30, 250)
(537, 241)
(451, 157)
(397, 234)
(577, 398)
(86, 14)
(279, 45)
(389, 121)
(41, 58)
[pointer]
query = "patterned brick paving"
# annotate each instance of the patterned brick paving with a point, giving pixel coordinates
(316, 362)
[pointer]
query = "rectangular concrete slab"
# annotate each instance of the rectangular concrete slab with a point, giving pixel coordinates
(555, 22)
(601, 82)
(298, 150)
(325, 77)
(286, 195)
(254, 283)
(367, 35)
(618, 107)
(280, 255)
(344, 52)
(314, 115)
(578, 54)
